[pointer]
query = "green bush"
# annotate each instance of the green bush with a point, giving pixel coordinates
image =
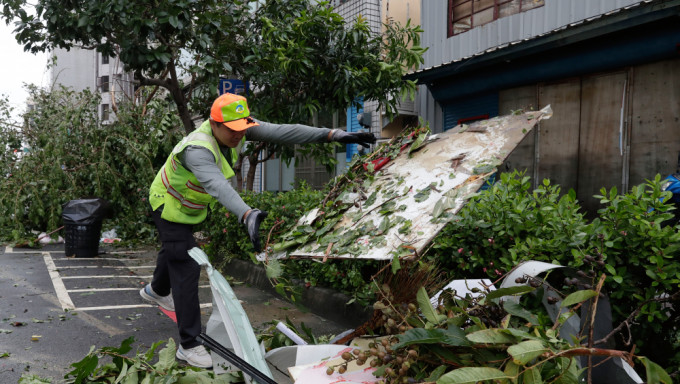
(508, 223)
(66, 153)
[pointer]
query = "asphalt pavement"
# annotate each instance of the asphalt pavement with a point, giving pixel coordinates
(54, 308)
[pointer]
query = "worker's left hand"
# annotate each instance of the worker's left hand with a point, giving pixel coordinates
(362, 138)
(253, 221)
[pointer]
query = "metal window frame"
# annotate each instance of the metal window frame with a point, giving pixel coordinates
(496, 4)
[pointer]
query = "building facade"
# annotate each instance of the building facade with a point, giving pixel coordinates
(610, 69)
(81, 69)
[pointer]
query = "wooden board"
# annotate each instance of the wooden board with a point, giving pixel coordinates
(600, 152)
(509, 101)
(424, 190)
(655, 122)
(558, 138)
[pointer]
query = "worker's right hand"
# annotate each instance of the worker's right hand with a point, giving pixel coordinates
(252, 222)
(364, 139)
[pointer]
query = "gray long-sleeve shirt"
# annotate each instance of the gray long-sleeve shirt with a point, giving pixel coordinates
(201, 162)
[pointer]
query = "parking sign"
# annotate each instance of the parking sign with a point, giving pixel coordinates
(235, 86)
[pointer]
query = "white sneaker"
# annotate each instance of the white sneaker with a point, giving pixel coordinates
(148, 294)
(196, 356)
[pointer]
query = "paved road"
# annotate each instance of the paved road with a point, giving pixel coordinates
(53, 308)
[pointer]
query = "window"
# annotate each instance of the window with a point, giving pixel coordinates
(104, 83)
(467, 14)
(105, 59)
(105, 112)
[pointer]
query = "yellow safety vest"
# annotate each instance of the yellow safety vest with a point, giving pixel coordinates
(175, 187)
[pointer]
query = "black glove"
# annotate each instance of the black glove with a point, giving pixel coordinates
(362, 138)
(253, 221)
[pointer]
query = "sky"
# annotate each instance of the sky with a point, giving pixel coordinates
(18, 67)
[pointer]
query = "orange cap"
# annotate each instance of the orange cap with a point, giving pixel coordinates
(232, 110)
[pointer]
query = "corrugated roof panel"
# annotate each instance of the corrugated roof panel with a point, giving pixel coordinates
(555, 16)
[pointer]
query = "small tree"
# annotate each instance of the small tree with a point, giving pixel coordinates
(64, 153)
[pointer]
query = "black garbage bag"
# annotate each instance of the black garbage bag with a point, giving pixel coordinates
(85, 211)
(83, 225)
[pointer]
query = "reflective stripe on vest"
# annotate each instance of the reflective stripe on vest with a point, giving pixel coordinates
(173, 192)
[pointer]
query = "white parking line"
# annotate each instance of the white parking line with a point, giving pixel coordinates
(113, 289)
(109, 307)
(59, 287)
(94, 258)
(107, 277)
(106, 266)
(63, 293)
(9, 249)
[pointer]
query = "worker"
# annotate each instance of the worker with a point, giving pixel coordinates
(195, 177)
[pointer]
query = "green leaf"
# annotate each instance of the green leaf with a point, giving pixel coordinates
(84, 367)
(516, 310)
(472, 375)
(417, 143)
(83, 20)
(396, 266)
(166, 357)
(610, 269)
(452, 336)
(578, 297)
(426, 306)
(532, 376)
(273, 269)
(436, 373)
(526, 351)
(122, 374)
(510, 291)
(655, 374)
(492, 336)
(132, 376)
(512, 369)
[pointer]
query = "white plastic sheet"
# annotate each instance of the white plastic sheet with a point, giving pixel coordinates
(229, 324)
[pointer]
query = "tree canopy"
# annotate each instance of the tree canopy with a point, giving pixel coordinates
(298, 54)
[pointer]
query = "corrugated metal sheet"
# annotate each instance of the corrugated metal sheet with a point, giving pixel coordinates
(554, 16)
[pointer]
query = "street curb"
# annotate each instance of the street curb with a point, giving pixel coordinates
(324, 302)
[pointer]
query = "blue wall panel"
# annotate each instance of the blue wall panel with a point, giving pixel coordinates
(469, 108)
(353, 126)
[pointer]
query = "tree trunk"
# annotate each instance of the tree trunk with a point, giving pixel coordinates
(172, 85)
(180, 100)
(238, 167)
(252, 161)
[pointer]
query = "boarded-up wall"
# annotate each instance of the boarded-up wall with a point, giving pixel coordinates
(558, 137)
(613, 129)
(524, 98)
(600, 156)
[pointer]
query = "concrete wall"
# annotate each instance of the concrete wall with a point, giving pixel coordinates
(74, 69)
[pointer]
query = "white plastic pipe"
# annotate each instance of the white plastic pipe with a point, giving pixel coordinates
(291, 335)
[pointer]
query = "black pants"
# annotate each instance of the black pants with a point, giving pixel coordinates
(176, 270)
